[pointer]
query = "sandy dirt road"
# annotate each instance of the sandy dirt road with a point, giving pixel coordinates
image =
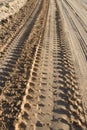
(43, 71)
(76, 28)
(57, 104)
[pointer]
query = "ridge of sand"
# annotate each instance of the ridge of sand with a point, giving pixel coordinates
(9, 7)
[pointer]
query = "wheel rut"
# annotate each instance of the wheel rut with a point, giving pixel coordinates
(39, 88)
(76, 30)
(12, 26)
(52, 99)
(16, 71)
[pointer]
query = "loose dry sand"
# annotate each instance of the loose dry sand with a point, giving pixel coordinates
(9, 7)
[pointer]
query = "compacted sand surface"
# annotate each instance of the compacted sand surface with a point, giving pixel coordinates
(75, 18)
(43, 65)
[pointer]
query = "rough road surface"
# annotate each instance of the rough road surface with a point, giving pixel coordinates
(42, 82)
(77, 30)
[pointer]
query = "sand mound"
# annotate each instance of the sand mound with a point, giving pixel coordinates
(9, 7)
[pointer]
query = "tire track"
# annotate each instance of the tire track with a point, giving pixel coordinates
(16, 74)
(78, 34)
(67, 106)
(15, 24)
(27, 117)
(78, 57)
(13, 51)
(52, 100)
(77, 16)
